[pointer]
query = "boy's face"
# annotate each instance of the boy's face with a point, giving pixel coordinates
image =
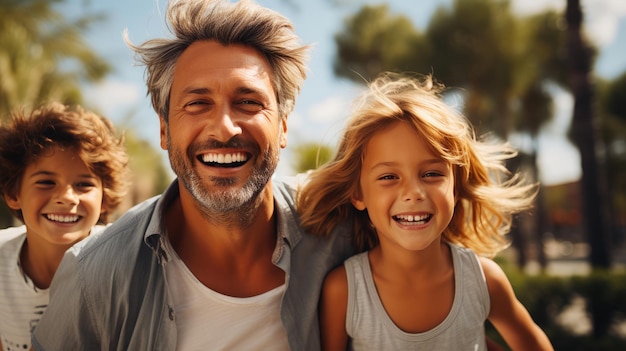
(407, 190)
(60, 199)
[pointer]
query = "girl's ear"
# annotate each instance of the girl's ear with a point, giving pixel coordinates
(357, 202)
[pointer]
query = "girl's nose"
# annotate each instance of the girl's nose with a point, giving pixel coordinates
(413, 191)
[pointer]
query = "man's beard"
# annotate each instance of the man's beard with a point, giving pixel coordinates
(222, 200)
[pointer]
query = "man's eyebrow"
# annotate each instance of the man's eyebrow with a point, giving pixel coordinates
(240, 90)
(197, 91)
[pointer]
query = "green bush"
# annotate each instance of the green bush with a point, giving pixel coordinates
(546, 297)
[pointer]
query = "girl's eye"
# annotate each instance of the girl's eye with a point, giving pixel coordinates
(44, 182)
(433, 174)
(387, 177)
(85, 185)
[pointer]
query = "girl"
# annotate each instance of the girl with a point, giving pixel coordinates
(428, 204)
(63, 171)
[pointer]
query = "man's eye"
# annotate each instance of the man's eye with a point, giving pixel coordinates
(250, 105)
(196, 106)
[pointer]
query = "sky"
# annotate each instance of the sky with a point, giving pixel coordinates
(325, 101)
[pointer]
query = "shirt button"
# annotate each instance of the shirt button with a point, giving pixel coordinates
(171, 313)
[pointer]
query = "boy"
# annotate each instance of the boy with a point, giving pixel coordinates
(63, 172)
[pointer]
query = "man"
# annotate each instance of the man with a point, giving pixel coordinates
(218, 261)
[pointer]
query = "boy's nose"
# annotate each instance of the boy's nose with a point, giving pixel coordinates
(67, 196)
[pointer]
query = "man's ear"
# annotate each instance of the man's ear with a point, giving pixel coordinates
(283, 134)
(163, 126)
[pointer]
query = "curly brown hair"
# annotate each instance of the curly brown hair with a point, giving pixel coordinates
(27, 136)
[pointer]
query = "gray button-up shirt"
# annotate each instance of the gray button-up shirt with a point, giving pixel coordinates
(110, 291)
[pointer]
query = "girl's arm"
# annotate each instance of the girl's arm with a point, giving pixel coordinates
(333, 306)
(508, 315)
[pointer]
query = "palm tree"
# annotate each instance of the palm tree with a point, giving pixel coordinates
(43, 56)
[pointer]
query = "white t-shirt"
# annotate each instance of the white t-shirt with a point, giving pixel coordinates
(208, 320)
(21, 302)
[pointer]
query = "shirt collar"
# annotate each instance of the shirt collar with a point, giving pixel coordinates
(287, 221)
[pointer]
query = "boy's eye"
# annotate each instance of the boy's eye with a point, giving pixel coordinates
(85, 185)
(44, 182)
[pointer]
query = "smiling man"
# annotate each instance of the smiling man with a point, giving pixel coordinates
(219, 260)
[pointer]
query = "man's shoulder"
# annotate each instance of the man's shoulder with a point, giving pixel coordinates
(119, 235)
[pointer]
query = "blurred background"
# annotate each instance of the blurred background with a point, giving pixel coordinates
(549, 76)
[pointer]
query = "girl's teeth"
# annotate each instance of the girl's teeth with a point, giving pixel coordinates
(410, 218)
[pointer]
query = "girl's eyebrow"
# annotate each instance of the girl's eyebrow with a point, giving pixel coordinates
(431, 161)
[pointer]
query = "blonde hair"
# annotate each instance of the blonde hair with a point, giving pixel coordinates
(488, 194)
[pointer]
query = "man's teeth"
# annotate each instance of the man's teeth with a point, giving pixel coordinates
(224, 158)
(63, 218)
(410, 218)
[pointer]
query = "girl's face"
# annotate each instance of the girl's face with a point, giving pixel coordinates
(60, 199)
(407, 190)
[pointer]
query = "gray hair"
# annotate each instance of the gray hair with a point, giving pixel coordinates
(243, 22)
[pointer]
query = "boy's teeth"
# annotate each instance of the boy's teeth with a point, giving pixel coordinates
(224, 158)
(60, 218)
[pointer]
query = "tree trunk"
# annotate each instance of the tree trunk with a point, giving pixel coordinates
(585, 136)
(584, 133)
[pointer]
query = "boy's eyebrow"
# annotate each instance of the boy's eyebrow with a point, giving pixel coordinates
(38, 173)
(50, 173)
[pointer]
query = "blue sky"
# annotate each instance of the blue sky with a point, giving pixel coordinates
(324, 102)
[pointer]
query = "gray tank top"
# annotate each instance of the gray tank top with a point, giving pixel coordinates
(370, 328)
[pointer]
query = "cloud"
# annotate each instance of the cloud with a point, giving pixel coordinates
(330, 109)
(558, 161)
(602, 17)
(114, 98)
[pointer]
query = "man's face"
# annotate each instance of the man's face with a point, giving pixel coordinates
(224, 132)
